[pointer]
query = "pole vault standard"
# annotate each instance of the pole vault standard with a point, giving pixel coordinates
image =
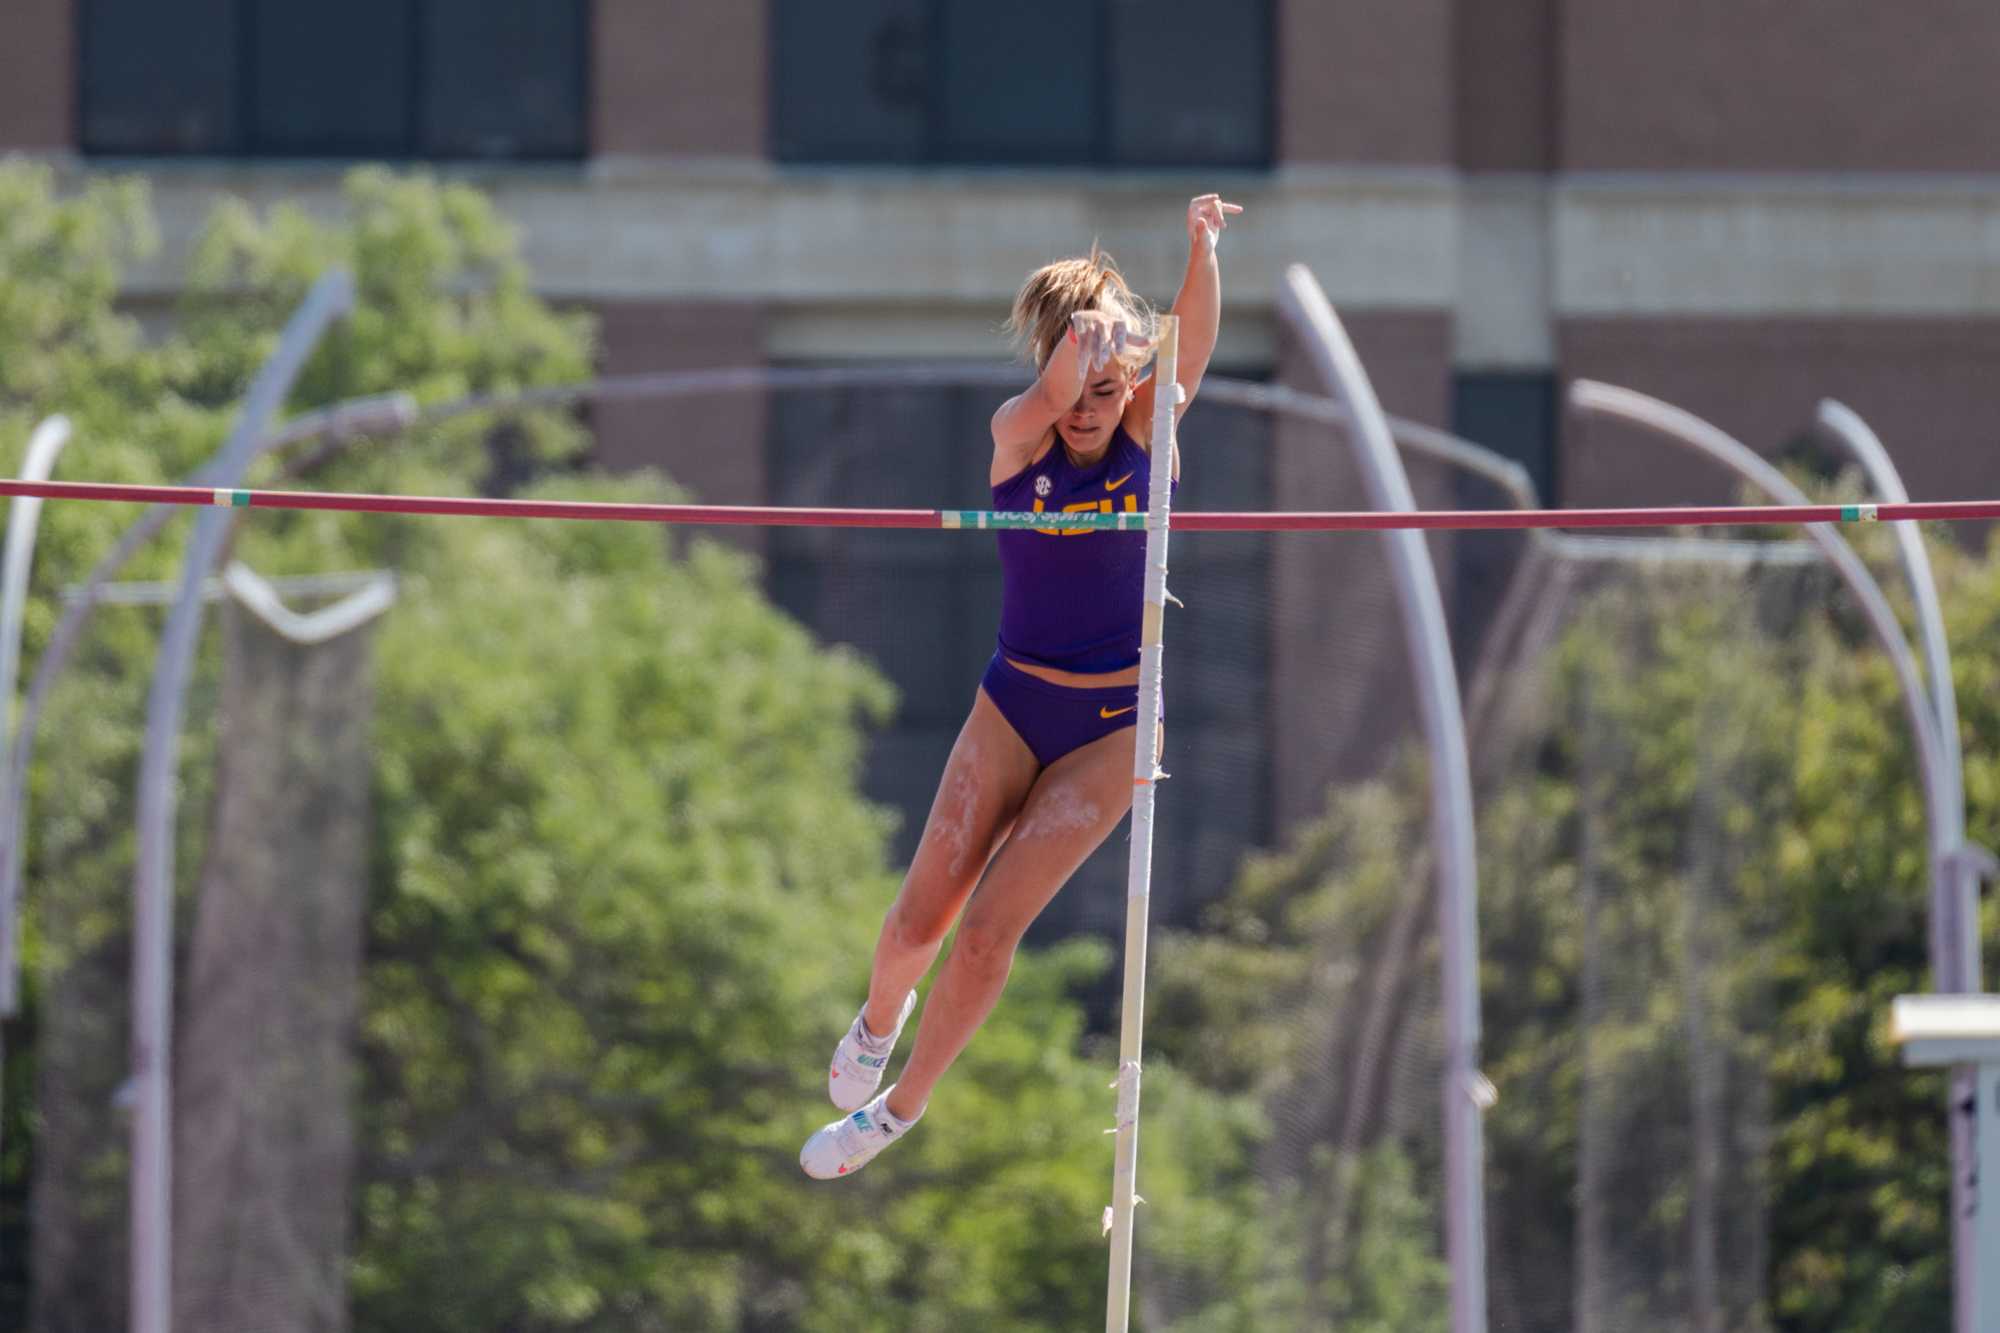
(1711, 516)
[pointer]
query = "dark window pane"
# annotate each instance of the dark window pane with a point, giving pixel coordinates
(1029, 82)
(502, 78)
(332, 79)
(850, 81)
(1512, 413)
(1190, 83)
(1018, 82)
(159, 78)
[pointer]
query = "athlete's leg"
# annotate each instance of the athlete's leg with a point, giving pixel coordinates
(1073, 806)
(985, 781)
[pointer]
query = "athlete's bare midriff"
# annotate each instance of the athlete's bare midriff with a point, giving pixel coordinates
(1078, 680)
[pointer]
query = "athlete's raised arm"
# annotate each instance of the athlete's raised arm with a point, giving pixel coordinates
(1199, 306)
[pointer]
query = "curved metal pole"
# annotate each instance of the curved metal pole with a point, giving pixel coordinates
(1466, 1091)
(1690, 430)
(1844, 427)
(1959, 968)
(261, 597)
(152, 887)
(23, 520)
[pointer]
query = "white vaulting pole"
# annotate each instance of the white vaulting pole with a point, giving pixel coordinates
(1139, 878)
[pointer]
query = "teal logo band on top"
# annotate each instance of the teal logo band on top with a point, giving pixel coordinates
(1013, 518)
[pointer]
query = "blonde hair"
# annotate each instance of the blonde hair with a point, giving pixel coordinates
(1056, 291)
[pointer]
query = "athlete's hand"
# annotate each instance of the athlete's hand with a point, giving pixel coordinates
(1207, 216)
(1101, 337)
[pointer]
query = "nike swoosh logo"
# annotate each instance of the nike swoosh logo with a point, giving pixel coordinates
(1114, 485)
(1114, 712)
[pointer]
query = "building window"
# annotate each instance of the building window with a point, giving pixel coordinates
(491, 79)
(1030, 82)
(1515, 414)
(1512, 413)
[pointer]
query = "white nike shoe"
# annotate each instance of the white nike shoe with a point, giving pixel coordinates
(861, 1057)
(851, 1142)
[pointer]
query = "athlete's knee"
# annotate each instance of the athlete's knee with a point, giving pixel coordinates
(911, 926)
(985, 946)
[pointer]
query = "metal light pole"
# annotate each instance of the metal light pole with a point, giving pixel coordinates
(1955, 929)
(152, 889)
(1466, 1091)
(23, 521)
(23, 517)
(1960, 947)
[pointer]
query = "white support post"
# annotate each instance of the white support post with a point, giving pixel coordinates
(1139, 877)
(1960, 1032)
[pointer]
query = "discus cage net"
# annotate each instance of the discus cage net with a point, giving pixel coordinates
(514, 930)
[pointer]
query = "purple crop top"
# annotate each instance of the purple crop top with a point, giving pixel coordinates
(1072, 599)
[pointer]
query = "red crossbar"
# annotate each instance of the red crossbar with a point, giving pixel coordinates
(772, 516)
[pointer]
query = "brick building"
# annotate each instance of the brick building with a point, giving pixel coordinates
(1742, 206)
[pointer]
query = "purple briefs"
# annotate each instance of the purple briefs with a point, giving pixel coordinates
(1056, 719)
